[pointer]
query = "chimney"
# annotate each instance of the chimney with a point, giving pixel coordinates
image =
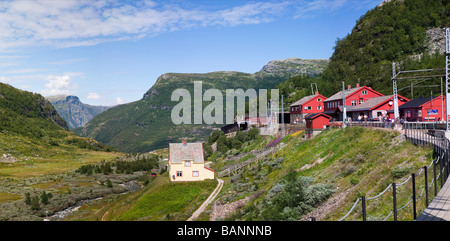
(357, 85)
(317, 92)
(349, 87)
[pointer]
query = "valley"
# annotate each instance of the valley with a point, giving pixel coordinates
(64, 160)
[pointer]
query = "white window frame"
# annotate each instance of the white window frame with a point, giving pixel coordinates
(187, 163)
(353, 102)
(364, 92)
(179, 173)
(195, 173)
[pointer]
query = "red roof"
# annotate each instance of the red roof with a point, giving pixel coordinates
(315, 115)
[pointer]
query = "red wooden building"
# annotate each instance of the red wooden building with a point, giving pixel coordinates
(353, 97)
(424, 109)
(306, 105)
(315, 123)
(375, 108)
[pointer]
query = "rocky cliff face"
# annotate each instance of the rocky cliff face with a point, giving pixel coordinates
(73, 111)
(435, 40)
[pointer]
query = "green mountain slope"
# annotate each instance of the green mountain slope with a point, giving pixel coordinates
(73, 111)
(146, 124)
(408, 32)
(27, 113)
(31, 127)
(36, 153)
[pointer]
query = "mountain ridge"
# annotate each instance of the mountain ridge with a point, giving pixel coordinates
(145, 124)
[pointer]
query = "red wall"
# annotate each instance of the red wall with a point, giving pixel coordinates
(355, 96)
(436, 104)
(317, 123)
(313, 103)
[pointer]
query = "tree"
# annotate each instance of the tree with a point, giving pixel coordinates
(27, 198)
(45, 197)
(235, 143)
(35, 203)
(215, 134)
(222, 144)
(109, 183)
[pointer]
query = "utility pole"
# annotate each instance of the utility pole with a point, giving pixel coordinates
(344, 109)
(394, 85)
(447, 73)
(282, 117)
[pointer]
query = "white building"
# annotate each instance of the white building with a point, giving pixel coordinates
(186, 162)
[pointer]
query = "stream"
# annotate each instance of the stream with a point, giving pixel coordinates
(131, 186)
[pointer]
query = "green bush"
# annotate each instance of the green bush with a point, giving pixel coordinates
(292, 197)
(400, 171)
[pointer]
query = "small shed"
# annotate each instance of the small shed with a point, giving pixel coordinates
(315, 123)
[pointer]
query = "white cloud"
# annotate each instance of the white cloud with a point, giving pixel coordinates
(82, 23)
(119, 100)
(93, 96)
(58, 85)
(310, 8)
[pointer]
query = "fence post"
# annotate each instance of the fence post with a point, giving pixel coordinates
(394, 200)
(446, 161)
(363, 200)
(406, 130)
(435, 178)
(426, 184)
(440, 170)
(414, 194)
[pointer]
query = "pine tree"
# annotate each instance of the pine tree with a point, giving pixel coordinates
(27, 198)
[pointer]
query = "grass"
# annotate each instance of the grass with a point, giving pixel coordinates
(159, 200)
(7, 197)
(38, 159)
(357, 161)
(169, 199)
(361, 160)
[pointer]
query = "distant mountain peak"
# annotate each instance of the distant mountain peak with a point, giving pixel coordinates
(73, 111)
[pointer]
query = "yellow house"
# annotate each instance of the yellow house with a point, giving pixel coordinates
(186, 162)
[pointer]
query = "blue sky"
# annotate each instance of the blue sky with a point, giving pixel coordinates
(112, 52)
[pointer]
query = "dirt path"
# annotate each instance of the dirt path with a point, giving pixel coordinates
(207, 201)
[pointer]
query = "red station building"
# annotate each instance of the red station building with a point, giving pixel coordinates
(306, 105)
(353, 97)
(424, 109)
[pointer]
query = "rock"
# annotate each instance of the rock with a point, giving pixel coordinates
(435, 40)
(8, 158)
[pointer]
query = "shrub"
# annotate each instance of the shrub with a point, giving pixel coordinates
(398, 172)
(292, 197)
